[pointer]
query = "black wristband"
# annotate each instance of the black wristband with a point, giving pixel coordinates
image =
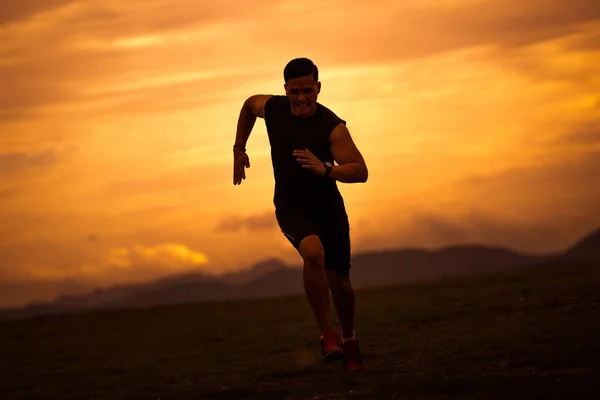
(328, 168)
(239, 147)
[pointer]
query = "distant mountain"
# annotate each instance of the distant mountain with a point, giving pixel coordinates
(102, 297)
(14, 293)
(399, 266)
(272, 277)
(192, 288)
(165, 290)
(254, 272)
(282, 281)
(191, 292)
(587, 249)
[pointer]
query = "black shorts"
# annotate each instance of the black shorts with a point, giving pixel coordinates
(332, 228)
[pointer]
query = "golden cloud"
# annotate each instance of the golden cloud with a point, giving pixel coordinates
(170, 255)
(141, 263)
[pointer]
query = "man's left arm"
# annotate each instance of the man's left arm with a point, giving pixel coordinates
(351, 166)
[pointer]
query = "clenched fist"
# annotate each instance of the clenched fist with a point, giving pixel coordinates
(310, 161)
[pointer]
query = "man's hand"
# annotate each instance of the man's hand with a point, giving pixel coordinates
(240, 162)
(310, 161)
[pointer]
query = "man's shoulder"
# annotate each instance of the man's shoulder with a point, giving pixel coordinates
(276, 100)
(330, 115)
(274, 105)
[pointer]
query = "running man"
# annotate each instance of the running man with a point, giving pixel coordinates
(311, 149)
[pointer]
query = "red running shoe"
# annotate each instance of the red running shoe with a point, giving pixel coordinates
(352, 360)
(330, 346)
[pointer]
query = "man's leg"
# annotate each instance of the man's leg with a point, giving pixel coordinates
(343, 300)
(315, 280)
(301, 231)
(336, 240)
(317, 292)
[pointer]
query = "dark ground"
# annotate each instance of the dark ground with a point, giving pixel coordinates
(532, 334)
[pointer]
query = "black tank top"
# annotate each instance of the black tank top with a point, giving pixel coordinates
(295, 186)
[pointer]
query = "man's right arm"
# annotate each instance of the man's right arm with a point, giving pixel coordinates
(253, 107)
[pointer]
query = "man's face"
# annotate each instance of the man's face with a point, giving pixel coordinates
(303, 93)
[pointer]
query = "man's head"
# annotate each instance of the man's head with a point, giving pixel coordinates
(302, 86)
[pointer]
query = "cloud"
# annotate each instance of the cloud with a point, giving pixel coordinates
(441, 228)
(251, 223)
(58, 231)
(16, 10)
(7, 193)
(544, 205)
(141, 263)
(16, 115)
(586, 135)
(140, 21)
(558, 196)
(23, 90)
(516, 23)
(590, 42)
(479, 227)
(96, 262)
(92, 45)
(169, 255)
(557, 60)
(172, 93)
(134, 16)
(37, 270)
(13, 162)
(180, 180)
(42, 259)
(401, 32)
(48, 60)
(570, 181)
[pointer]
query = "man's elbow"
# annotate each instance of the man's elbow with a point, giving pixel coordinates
(255, 104)
(250, 105)
(364, 176)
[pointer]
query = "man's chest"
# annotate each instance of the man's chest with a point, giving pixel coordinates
(298, 136)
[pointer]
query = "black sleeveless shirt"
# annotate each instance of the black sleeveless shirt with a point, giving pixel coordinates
(295, 186)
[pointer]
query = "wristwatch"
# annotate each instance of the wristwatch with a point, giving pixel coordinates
(328, 168)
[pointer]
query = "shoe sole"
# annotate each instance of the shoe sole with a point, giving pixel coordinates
(333, 355)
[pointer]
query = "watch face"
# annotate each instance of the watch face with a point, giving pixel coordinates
(327, 163)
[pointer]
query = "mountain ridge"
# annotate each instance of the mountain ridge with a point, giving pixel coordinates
(273, 277)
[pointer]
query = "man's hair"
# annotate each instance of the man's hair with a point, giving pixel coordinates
(299, 67)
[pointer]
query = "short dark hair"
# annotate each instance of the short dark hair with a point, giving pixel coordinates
(300, 67)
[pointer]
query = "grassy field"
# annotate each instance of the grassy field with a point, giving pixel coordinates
(534, 334)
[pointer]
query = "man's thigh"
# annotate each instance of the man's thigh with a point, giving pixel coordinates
(335, 236)
(333, 231)
(296, 225)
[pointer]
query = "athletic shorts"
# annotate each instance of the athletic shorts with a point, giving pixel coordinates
(333, 229)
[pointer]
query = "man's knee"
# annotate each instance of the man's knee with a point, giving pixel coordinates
(311, 251)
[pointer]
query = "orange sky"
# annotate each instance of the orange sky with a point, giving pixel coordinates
(479, 122)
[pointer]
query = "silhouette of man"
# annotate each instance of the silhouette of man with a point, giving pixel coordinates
(306, 140)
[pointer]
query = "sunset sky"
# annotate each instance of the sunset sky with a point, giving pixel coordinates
(479, 122)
